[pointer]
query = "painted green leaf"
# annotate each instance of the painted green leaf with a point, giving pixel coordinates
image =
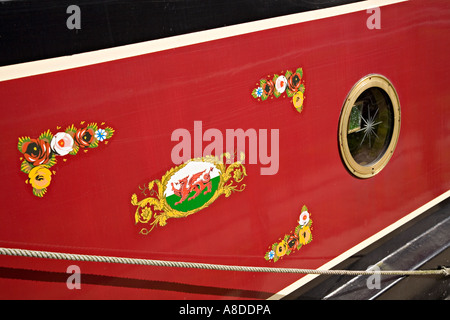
(109, 132)
(75, 149)
(26, 167)
(51, 162)
(39, 192)
(94, 143)
(46, 136)
(288, 74)
(92, 126)
(254, 94)
(21, 142)
(297, 229)
(289, 93)
(71, 130)
(262, 82)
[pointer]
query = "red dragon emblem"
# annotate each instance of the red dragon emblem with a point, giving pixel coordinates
(196, 183)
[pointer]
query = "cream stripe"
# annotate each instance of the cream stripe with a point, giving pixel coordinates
(84, 59)
(347, 254)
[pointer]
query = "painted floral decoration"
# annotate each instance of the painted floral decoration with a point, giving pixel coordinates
(40, 154)
(290, 84)
(297, 238)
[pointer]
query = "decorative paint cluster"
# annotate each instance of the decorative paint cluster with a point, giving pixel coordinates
(291, 84)
(297, 238)
(40, 154)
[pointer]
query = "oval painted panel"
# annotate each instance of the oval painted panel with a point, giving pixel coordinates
(192, 186)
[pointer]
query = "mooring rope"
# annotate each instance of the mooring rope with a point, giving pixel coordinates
(176, 264)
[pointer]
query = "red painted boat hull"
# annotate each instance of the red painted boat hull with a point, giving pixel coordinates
(87, 208)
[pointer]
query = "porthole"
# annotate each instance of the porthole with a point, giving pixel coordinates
(369, 126)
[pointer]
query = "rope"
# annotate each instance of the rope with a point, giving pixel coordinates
(174, 264)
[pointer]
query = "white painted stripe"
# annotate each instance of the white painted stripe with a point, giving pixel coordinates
(349, 253)
(84, 59)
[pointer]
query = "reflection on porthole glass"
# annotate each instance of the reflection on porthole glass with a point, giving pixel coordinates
(370, 126)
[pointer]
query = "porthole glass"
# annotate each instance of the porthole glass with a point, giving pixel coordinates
(369, 126)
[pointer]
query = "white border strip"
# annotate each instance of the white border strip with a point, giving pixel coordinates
(84, 59)
(347, 254)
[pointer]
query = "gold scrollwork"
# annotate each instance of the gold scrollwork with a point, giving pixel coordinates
(155, 209)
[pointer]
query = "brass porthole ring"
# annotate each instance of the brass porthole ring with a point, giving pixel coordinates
(369, 126)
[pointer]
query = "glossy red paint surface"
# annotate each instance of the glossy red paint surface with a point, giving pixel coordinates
(87, 208)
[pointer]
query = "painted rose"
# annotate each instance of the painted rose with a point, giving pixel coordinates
(294, 82)
(62, 143)
(281, 84)
(304, 235)
(36, 151)
(303, 219)
(281, 248)
(40, 177)
(292, 242)
(84, 137)
(297, 100)
(268, 88)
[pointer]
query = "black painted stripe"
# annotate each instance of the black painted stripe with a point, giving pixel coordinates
(103, 280)
(36, 29)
